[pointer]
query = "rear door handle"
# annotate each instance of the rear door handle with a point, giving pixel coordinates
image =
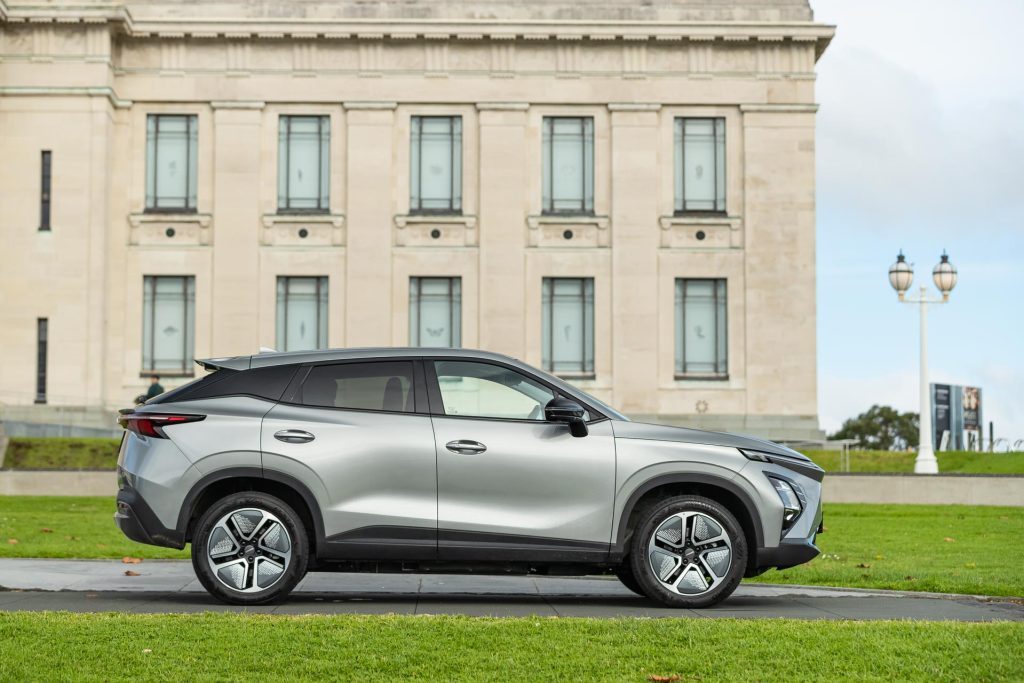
(465, 447)
(294, 436)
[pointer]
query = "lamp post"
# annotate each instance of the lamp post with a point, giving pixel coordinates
(901, 274)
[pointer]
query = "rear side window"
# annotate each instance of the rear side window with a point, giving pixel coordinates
(267, 383)
(385, 386)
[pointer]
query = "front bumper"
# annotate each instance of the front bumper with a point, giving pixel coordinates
(789, 553)
(137, 521)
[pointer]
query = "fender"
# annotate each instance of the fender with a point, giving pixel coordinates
(253, 473)
(619, 548)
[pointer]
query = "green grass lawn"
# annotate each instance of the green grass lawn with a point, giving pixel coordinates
(953, 548)
(951, 462)
(77, 454)
(101, 647)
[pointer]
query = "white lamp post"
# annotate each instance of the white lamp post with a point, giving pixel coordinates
(901, 274)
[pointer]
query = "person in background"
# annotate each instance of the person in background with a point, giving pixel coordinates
(155, 389)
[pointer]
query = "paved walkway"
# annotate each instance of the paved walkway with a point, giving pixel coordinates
(171, 586)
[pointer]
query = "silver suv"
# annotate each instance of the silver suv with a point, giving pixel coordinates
(448, 460)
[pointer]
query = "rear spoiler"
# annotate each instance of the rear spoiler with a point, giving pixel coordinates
(234, 363)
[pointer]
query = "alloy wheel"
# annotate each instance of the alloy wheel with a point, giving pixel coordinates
(690, 553)
(249, 550)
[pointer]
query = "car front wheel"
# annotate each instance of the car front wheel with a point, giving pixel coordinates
(250, 548)
(688, 551)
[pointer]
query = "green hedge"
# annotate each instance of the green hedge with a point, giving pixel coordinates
(60, 453)
(951, 462)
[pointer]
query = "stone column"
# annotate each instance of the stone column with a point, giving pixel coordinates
(635, 235)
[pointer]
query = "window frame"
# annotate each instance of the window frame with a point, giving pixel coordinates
(323, 310)
(548, 322)
(284, 141)
(588, 172)
(719, 127)
(455, 311)
(191, 165)
(679, 321)
(455, 139)
(187, 367)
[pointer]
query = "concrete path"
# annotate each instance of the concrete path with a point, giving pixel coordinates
(171, 586)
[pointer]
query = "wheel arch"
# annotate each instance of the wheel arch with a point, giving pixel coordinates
(722, 490)
(216, 485)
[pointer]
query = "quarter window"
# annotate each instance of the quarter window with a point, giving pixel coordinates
(301, 313)
(700, 165)
(701, 328)
(382, 386)
(435, 160)
(303, 164)
(171, 162)
(168, 315)
(568, 326)
(568, 165)
(472, 389)
(435, 311)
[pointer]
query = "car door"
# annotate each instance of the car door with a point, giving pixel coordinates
(510, 485)
(358, 436)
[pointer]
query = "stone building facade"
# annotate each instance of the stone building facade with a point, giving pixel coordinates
(621, 193)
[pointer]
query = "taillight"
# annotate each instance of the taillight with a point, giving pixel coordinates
(152, 424)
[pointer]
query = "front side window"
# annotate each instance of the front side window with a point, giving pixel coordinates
(700, 165)
(435, 163)
(303, 164)
(168, 324)
(171, 162)
(568, 326)
(471, 389)
(435, 311)
(380, 386)
(701, 328)
(568, 165)
(301, 313)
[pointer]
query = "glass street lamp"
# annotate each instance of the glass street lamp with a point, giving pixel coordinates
(901, 274)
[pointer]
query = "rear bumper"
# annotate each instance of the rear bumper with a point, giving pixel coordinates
(137, 521)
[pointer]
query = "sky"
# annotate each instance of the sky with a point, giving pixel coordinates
(921, 148)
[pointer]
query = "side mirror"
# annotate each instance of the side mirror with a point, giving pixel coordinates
(568, 411)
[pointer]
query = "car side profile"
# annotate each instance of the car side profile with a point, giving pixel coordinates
(448, 460)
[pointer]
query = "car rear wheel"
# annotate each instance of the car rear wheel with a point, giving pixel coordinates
(250, 548)
(688, 551)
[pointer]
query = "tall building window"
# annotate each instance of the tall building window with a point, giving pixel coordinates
(42, 334)
(568, 326)
(171, 162)
(702, 348)
(435, 311)
(45, 170)
(435, 163)
(168, 324)
(568, 161)
(303, 164)
(700, 165)
(301, 313)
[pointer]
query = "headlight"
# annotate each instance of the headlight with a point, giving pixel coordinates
(791, 501)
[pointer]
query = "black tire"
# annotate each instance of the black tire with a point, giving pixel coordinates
(625, 574)
(295, 567)
(653, 517)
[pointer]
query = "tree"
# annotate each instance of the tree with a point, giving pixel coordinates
(881, 428)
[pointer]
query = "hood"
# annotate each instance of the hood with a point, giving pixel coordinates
(655, 432)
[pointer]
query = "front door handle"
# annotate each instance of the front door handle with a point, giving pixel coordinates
(294, 436)
(465, 447)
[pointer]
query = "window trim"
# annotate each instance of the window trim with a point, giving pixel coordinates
(283, 166)
(680, 344)
(679, 142)
(187, 369)
(547, 170)
(436, 403)
(454, 207)
(293, 392)
(580, 374)
(191, 156)
(322, 321)
(453, 312)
